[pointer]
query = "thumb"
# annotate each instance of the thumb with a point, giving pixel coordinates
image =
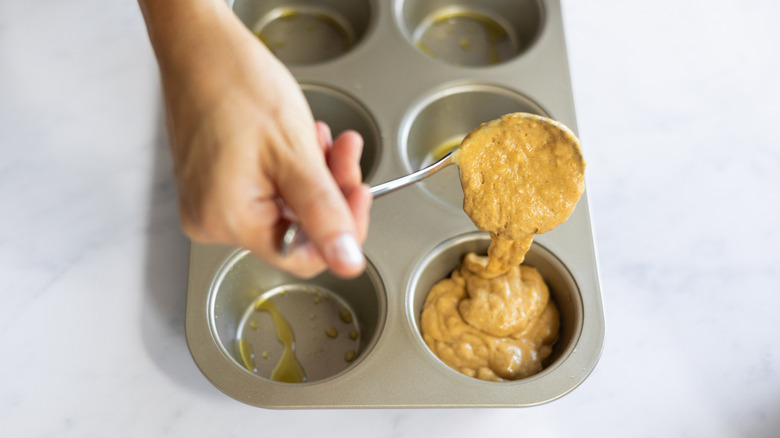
(309, 190)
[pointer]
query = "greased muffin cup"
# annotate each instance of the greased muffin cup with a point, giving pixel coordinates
(471, 32)
(307, 32)
(413, 77)
(335, 322)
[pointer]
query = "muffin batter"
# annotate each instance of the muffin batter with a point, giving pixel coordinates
(493, 319)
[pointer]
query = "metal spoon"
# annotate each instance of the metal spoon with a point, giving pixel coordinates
(295, 236)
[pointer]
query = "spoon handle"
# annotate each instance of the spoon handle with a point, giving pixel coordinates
(399, 183)
(294, 235)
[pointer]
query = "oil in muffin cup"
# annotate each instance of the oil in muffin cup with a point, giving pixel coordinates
(471, 33)
(307, 32)
(287, 330)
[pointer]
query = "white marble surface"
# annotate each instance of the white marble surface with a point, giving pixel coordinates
(678, 107)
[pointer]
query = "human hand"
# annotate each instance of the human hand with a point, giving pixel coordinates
(247, 152)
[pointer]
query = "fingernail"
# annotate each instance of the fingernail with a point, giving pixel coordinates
(346, 250)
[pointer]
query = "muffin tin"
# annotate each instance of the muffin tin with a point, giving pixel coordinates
(410, 76)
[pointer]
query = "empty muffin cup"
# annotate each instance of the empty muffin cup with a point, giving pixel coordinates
(306, 32)
(439, 263)
(471, 32)
(342, 112)
(284, 329)
(437, 124)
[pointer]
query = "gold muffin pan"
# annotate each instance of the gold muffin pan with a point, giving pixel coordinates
(410, 76)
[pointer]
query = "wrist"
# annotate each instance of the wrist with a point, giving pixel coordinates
(194, 42)
(181, 30)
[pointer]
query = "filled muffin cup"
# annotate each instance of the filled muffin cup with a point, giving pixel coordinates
(439, 263)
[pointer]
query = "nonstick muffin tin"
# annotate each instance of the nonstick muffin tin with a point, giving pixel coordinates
(411, 76)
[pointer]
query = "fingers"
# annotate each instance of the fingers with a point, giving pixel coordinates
(344, 160)
(237, 206)
(256, 225)
(359, 201)
(311, 191)
(344, 163)
(324, 137)
(325, 194)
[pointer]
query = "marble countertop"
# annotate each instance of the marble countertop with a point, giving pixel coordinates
(677, 103)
